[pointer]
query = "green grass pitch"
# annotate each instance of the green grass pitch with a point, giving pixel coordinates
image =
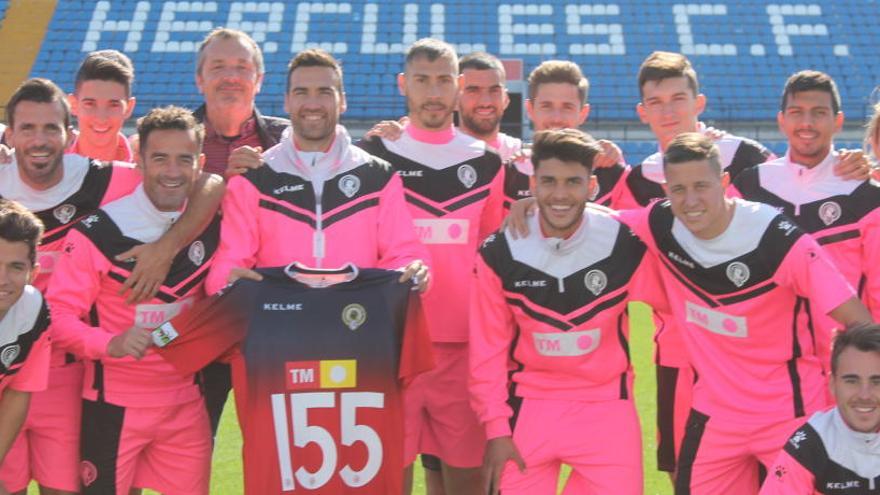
(226, 473)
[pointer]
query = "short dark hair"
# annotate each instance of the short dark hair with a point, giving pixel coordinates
(38, 90)
(315, 57)
(865, 338)
(559, 71)
(106, 65)
(224, 33)
(481, 61)
(810, 80)
(18, 224)
(165, 118)
(692, 147)
(666, 65)
(568, 145)
(431, 49)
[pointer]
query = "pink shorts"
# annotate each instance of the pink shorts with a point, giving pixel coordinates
(601, 441)
(675, 387)
(47, 448)
(723, 457)
(166, 448)
(439, 418)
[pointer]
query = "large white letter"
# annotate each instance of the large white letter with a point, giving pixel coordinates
(615, 45)
(371, 28)
(304, 12)
(438, 30)
(167, 24)
(683, 13)
(273, 13)
(783, 32)
(507, 29)
(99, 24)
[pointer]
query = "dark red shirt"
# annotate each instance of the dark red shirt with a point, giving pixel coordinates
(217, 147)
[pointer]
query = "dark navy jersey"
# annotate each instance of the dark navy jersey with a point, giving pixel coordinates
(318, 361)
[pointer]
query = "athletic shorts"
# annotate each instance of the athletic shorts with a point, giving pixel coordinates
(675, 388)
(724, 457)
(601, 441)
(166, 448)
(47, 447)
(439, 419)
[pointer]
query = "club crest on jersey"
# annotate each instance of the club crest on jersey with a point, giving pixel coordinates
(197, 253)
(467, 175)
(64, 213)
(738, 273)
(349, 185)
(596, 281)
(829, 212)
(8, 354)
(354, 315)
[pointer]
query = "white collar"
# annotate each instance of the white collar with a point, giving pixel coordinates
(807, 175)
(137, 217)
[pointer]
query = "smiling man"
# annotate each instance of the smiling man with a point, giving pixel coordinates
(554, 303)
(838, 450)
(144, 424)
(102, 102)
(739, 273)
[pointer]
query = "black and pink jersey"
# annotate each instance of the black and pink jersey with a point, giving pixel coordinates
(826, 457)
(743, 303)
(319, 358)
(453, 187)
(88, 311)
(842, 215)
(645, 180)
(557, 310)
(24, 344)
(320, 209)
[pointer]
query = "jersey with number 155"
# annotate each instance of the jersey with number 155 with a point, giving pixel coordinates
(318, 359)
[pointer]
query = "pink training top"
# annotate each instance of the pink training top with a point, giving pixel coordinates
(453, 187)
(842, 215)
(553, 312)
(742, 301)
(320, 209)
(24, 344)
(86, 186)
(506, 146)
(85, 289)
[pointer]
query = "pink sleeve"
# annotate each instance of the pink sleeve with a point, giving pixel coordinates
(398, 243)
(493, 212)
(788, 477)
(732, 191)
(239, 233)
(123, 181)
(491, 334)
(637, 221)
(73, 289)
(621, 198)
(810, 273)
(869, 262)
(647, 285)
(34, 373)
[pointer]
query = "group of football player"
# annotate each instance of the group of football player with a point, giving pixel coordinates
(759, 270)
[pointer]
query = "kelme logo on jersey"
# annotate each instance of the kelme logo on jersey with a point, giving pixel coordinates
(8, 354)
(568, 343)
(354, 315)
(64, 213)
(738, 273)
(196, 253)
(328, 373)
(716, 321)
(467, 175)
(596, 281)
(88, 222)
(829, 212)
(349, 185)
